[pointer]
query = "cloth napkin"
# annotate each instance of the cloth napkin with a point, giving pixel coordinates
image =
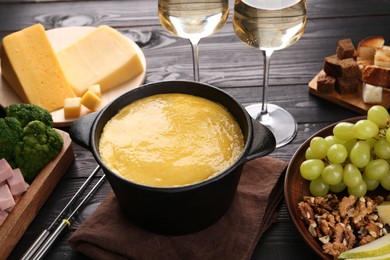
(108, 234)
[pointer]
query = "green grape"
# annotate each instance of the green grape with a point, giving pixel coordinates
(364, 129)
(379, 115)
(371, 184)
(388, 135)
(372, 141)
(331, 140)
(376, 169)
(337, 153)
(385, 181)
(358, 191)
(332, 174)
(352, 176)
(343, 131)
(382, 148)
(360, 154)
(339, 187)
(318, 187)
(311, 169)
(319, 146)
(349, 144)
(309, 154)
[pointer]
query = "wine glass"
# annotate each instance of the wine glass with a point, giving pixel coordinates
(270, 25)
(193, 20)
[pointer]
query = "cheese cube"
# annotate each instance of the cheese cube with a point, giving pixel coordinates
(31, 68)
(95, 88)
(372, 94)
(103, 57)
(72, 107)
(90, 100)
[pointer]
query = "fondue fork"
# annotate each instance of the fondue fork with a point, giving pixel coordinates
(45, 233)
(65, 222)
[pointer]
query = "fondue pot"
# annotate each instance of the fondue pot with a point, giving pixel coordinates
(183, 209)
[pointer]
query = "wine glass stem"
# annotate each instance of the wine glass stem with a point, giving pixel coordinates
(195, 57)
(263, 115)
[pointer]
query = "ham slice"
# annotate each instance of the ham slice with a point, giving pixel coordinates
(5, 170)
(6, 199)
(3, 216)
(16, 183)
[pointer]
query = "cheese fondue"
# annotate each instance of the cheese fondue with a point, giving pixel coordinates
(169, 140)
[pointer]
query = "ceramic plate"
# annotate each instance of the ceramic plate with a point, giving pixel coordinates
(61, 38)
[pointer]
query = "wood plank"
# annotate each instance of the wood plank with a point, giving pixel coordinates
(33, 199)
(353, 101)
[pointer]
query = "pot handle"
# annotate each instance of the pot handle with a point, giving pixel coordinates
(80, 130)
(263, 141)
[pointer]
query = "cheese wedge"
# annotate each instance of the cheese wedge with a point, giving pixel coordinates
(30, 67)
(103, 57)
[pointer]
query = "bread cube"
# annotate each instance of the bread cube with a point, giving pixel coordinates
(372, 94)
(345, 49)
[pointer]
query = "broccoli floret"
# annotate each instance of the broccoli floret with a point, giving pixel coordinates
(39, 145)
(10, 135)
(26, 113)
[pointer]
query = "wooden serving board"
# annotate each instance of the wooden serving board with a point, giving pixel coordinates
(353, 102)
(33, 199)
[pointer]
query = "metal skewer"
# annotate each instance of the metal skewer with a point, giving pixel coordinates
(65, 222)
(45, 233)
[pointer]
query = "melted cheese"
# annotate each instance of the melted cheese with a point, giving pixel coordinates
(171, 140)
(30, 67)
(103, 57)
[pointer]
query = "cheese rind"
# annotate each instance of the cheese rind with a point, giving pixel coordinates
(31, 68)
(103, 57)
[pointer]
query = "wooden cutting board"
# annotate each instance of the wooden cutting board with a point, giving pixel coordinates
(33, 199)
(353, 102)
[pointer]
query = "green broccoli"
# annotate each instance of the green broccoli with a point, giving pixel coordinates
(39, 145)
(26, 113)
(11, 134)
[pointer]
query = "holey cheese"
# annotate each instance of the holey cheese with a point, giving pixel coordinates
(103, 57)
(30, 67)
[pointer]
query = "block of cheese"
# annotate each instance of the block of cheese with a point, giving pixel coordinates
(31, 68)
(103, 57)
(90, 100)
(72, 107)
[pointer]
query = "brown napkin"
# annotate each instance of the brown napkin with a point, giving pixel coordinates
(107, 234)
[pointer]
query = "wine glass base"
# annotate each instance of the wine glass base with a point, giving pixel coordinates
(280, 122)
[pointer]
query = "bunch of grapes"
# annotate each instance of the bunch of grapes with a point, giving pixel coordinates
(356, 157)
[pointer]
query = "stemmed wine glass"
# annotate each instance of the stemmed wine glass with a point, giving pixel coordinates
(270, 25)
(193, 20)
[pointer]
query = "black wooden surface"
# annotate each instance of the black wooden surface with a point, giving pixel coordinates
(224, 62)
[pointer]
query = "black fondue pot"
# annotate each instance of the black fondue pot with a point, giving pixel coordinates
(184, 209)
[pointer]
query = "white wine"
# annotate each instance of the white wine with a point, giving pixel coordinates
(269, 25)
(193, 19)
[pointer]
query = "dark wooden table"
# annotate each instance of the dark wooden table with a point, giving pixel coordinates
(224, 62)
